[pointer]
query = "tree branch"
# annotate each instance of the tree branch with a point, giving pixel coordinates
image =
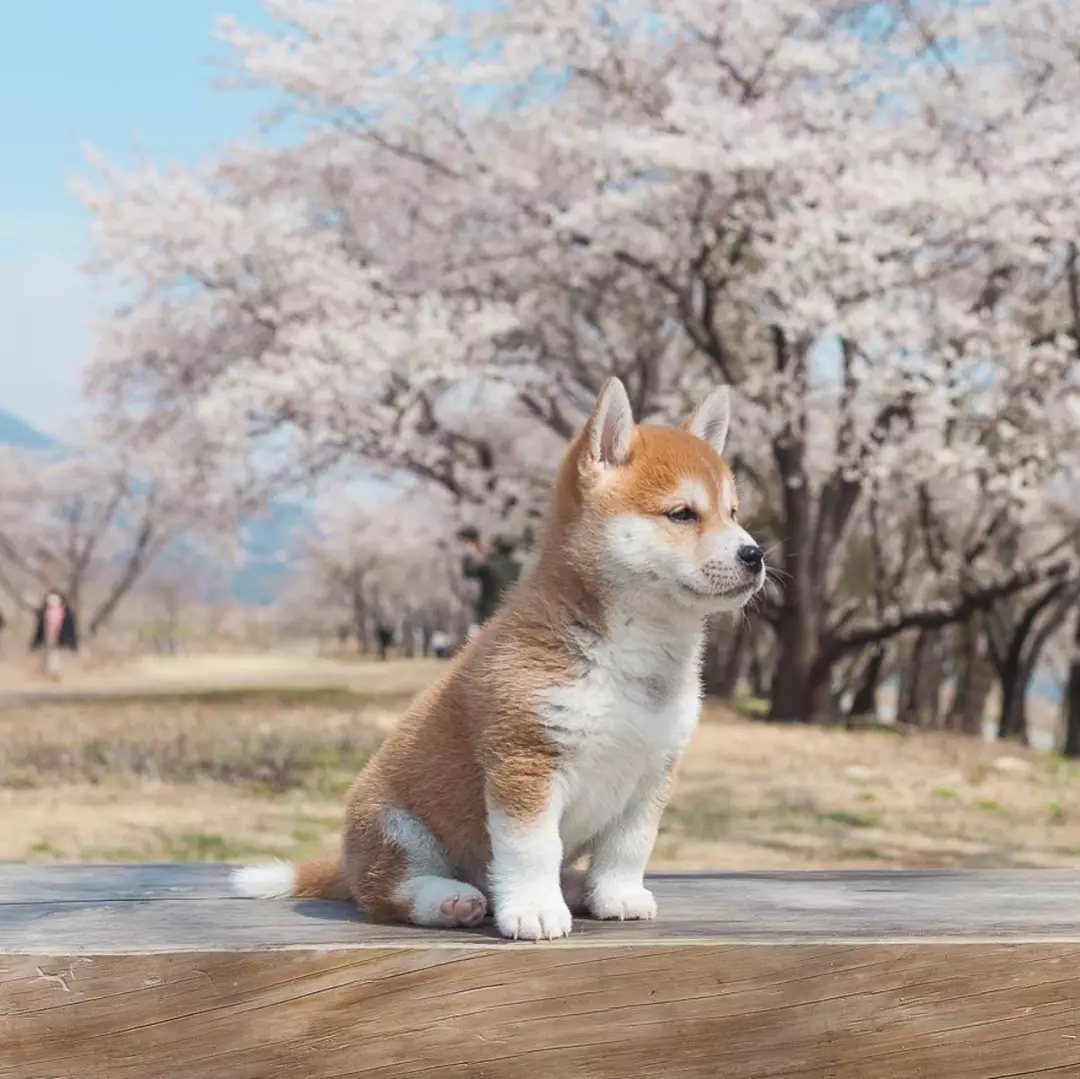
(937, 616)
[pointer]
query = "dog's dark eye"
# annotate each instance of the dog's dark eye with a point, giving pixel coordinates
(682, 514)
(734, 514)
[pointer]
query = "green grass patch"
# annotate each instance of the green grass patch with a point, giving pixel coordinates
(849, 820)
(207, 847)
(945, 792)
(758, 707)
(862, 854)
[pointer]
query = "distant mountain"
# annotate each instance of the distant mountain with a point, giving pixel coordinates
(266, 540)
(16, 432)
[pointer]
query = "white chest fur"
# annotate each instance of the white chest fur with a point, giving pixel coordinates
(634, 709)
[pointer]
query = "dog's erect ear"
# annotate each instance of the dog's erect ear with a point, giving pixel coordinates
(610, 427)
(711, 419)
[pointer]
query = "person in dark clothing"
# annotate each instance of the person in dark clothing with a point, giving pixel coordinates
(66, 634)
(54, 632)
(384, 636)
(495, 571)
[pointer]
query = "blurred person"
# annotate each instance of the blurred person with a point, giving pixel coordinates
(55, 630)
(440, 644)
(384, 637)
(495, 572)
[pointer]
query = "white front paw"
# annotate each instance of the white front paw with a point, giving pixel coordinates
(533, 916)
(621, 900)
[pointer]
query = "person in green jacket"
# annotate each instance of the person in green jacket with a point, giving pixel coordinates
(495, 571)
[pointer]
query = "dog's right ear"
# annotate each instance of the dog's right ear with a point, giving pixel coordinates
(712, 418)
(610, 427)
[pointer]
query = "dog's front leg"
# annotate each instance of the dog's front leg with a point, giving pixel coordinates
(615, 882)
(526, 859)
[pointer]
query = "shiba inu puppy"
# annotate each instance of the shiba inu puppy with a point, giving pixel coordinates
(554, 735)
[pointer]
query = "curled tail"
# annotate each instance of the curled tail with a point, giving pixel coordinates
(319, 879)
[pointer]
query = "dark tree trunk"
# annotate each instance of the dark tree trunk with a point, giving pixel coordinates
(735, 657)
(933, 680)
(712, 660)
(799, 682)
(725, 647)
(973, 681)
(974, 705)
(1012, 723)
(758, 675)
(824, 701)
(794, 692)
(864, 702)
(1072, 698)
(920, 682)
(1016, 663)
(792, 688)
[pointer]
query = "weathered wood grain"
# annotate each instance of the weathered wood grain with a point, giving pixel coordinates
(154, 972)
(745, 1012)
(165, 908)
(22, 883)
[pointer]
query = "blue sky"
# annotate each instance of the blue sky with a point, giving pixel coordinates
(130, 77)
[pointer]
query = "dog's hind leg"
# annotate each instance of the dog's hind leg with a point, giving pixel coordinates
(398, 872)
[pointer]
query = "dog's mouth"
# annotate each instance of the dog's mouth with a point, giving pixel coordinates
(743, 591)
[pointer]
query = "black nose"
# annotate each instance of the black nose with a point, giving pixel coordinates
(751, 556)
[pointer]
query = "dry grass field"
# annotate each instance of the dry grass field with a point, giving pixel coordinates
(259, 765)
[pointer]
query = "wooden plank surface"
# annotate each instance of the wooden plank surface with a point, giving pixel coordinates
(166, 908)
(154, 972)
(38, 883)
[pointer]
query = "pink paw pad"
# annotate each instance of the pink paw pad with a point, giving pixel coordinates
(463, 910)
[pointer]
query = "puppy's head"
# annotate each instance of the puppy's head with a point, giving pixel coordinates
(656, 509)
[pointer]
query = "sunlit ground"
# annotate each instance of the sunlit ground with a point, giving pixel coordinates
(183, 772)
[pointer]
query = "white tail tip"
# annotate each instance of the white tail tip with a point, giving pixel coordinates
(272, 880)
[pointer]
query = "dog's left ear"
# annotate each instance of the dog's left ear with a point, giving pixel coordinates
(711, 419)
(610, 427)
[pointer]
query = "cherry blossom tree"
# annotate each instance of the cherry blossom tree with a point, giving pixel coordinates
(393, 563)
(859, 216)
(93, 521)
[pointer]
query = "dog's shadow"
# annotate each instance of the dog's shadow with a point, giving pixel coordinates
(331, 910)
(389, 933)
